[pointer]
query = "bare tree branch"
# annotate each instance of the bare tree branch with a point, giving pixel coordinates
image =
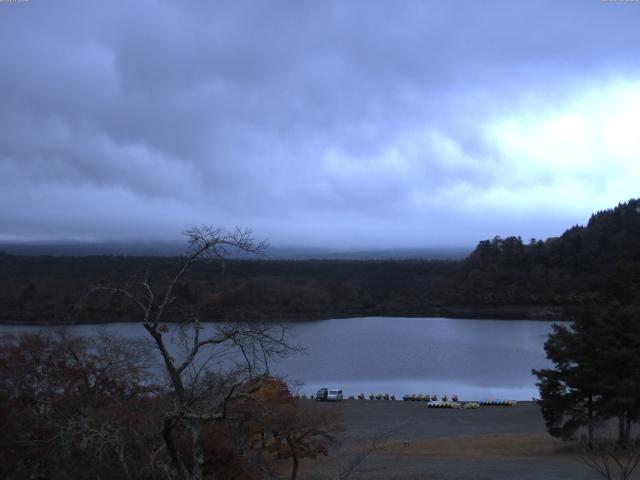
(607, 457)
(199, 398)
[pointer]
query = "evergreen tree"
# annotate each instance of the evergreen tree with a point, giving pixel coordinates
(618, 360)
(568, 392)
(596, 373)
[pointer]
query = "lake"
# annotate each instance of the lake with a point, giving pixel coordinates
(474, 358)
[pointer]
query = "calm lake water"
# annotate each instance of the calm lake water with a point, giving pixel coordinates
(474, 358)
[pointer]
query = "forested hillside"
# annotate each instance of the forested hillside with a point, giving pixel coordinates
(599, 262)
(501, 278)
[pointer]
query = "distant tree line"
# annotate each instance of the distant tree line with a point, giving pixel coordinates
(502, 278)
(46, 289)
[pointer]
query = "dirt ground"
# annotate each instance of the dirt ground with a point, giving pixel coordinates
(490, 443)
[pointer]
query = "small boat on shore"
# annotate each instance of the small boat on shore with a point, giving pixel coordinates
(497, 402)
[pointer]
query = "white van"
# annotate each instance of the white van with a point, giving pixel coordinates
(334, 396)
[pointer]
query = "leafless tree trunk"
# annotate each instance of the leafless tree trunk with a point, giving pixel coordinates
(294, 458)
(194, 405)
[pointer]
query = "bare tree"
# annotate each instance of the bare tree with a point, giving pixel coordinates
(198, 395)
(353, 460)
(301, 430)
(610, 459)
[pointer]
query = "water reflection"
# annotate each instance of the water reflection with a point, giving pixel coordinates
(473, 358)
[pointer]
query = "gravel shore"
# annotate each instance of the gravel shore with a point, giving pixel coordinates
(490, 443)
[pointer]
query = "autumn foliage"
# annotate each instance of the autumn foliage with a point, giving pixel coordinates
(72, 407)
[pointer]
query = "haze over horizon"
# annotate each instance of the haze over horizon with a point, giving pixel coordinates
(344, 125)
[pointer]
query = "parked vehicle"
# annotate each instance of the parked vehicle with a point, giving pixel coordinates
(334, 396)
(321, 395)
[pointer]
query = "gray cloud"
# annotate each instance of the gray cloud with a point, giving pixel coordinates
(348, 123)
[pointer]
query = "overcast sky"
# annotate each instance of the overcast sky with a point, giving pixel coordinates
(329, 123)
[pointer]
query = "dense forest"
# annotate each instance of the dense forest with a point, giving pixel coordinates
(502, 278)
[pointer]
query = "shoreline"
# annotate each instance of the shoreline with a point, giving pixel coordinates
(447, 315)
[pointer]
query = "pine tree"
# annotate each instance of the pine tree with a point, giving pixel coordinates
(596, 373)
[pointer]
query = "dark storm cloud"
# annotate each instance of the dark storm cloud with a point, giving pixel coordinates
(351, 123)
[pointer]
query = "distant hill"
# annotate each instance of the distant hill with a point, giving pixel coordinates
(89, 248)
(596, 263)
(170, 249)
